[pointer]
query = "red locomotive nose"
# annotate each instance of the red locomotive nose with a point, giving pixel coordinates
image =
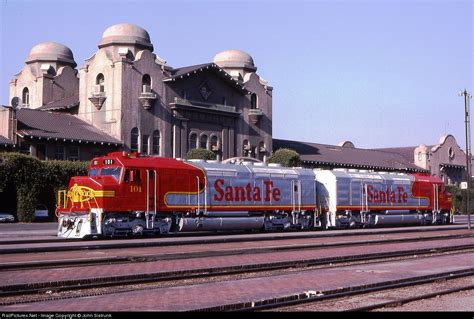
(87, 192)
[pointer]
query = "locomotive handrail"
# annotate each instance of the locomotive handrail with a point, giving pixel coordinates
(96, 203)
(148, 197)
(365, 204)
(205, 199)
(147, 193)
(299, 196)
(156, 177)
(198, 206)
(292, 196)
(62, 194)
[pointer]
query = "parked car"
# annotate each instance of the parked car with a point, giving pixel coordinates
(6, 218)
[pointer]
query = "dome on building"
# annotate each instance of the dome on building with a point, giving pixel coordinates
(51, 51)
(126, 33)
(234, 59)
(347, 144)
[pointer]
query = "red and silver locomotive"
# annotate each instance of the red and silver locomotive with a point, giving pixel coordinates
(128, 194)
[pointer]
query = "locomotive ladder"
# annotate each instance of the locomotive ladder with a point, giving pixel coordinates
(364, 204)
(296, 200)
(435, 203)
(296, 195)
(150, 215)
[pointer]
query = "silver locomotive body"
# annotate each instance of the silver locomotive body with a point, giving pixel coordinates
(350, 198)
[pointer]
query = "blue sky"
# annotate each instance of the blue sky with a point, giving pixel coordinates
(379, 73)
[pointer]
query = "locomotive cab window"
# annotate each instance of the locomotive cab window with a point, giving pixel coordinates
(132, 175)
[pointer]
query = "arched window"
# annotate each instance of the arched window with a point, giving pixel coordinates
(146, 83)
(203, 141)
(25, 97)
(100, 81)
(451, 153)
(214, 143)
(253, 101)
(134, 140)
(156, 143)
(192, 141)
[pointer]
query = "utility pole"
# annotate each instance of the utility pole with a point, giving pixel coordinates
(467, 98)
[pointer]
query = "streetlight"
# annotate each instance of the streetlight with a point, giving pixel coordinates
(467, 97)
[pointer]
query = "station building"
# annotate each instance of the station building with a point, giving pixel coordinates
(445, 159)
(126, 97)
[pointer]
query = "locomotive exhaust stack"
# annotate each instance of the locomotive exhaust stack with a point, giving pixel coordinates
(130, 195)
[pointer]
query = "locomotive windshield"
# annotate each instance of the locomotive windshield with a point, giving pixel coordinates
(93, 172)
(111, 171)
(106, 171)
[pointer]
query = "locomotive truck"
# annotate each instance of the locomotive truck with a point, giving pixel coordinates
(127, 194)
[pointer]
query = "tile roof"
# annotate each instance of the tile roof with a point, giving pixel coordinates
(177, 73)
(5, 141)
(337, 156)
(63, 104)
(406, 152)
(184, 72)
(51, 125)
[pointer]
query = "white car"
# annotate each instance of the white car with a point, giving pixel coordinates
(6, 218)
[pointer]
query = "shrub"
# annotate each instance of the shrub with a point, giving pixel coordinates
(200, 153)
(460, 197)
(285, 157)
(31, 177)
(24, 172)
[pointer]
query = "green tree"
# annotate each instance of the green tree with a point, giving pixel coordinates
(285, 157)
(200, 153)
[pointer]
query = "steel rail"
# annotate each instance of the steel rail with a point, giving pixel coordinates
(89, 283)
(308, 297)
(403, 301)
(212, 240)
(207, 253)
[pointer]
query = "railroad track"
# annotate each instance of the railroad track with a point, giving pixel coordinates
(51, 290)
(43, 264)
(403, 301)
(194, 239)
(382, 297)
(215, 273)
(313, 296)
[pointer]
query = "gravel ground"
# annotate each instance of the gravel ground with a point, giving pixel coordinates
(460, 301)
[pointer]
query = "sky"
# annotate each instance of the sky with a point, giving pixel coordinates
(380, 73)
